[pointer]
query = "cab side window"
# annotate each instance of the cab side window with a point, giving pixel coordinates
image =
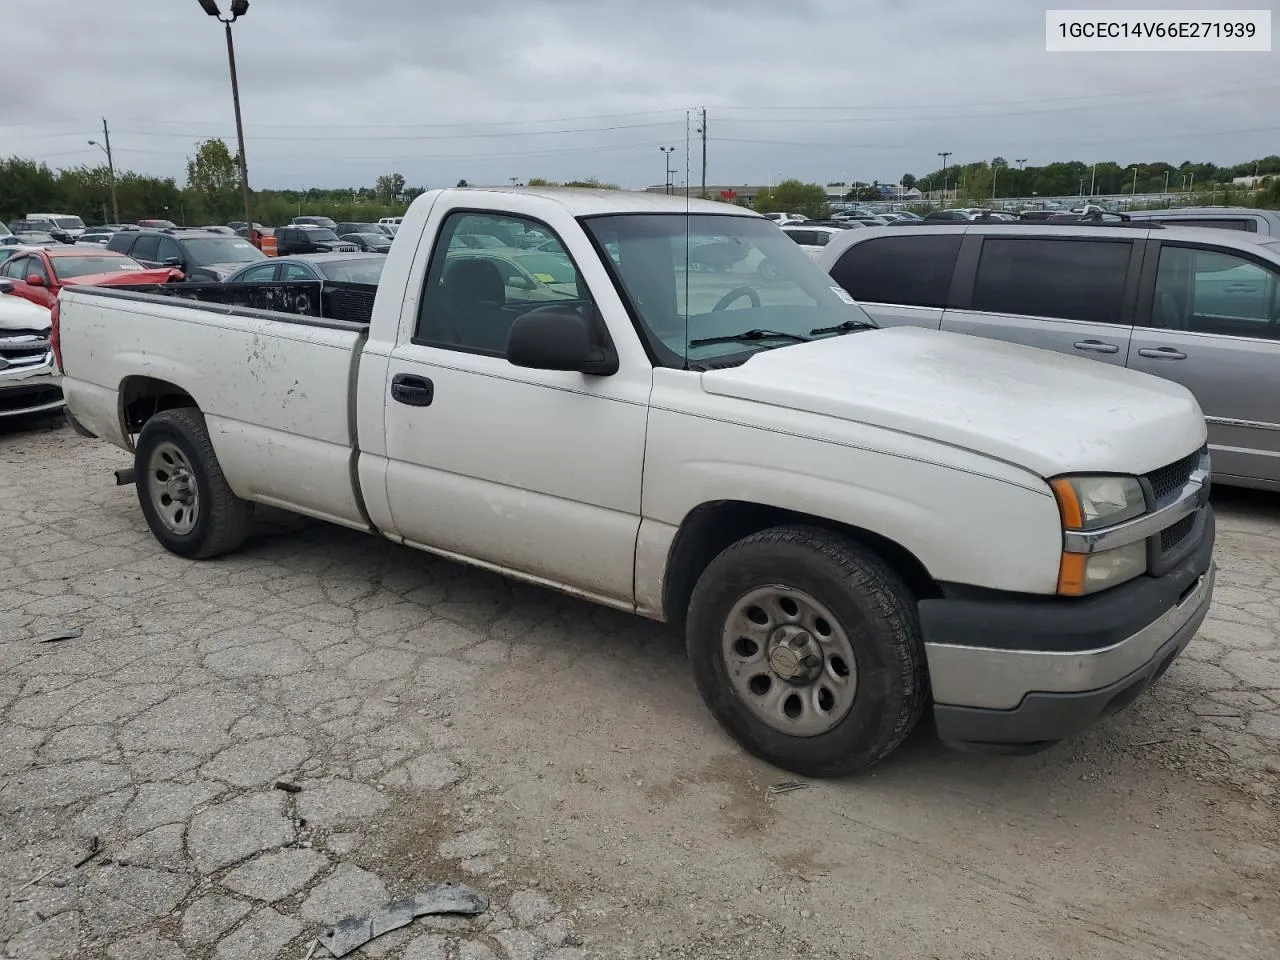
(473, 294)
(146, 249)
(168, 250)
(36, 265)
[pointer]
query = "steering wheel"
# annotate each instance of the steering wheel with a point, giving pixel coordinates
(735, 294)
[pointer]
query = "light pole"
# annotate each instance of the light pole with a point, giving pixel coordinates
(1020, 184)
(944, 154)
(666, 160)
(238, 9)
(1134, 191)
(111, 167)
(1093, 172)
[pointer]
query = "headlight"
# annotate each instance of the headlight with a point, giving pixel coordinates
(1090, 503)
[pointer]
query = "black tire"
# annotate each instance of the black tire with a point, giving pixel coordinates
(875, 609)
(223, 520)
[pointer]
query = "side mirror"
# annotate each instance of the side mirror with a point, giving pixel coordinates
(521, 282)
(6, 286)
(173, 261)
(35, 280)
(558, 338)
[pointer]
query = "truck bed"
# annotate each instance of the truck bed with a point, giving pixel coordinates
(331, 300)
(275, 387)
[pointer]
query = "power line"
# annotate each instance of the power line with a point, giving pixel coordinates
(374, 158)
(898, 106)
(986, 142)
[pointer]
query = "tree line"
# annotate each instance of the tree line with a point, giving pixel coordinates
(212, 195)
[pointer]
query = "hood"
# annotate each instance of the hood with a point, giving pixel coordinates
(1039, 410)
(17, 313)
(123, 277)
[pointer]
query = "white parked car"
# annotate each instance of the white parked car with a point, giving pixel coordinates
(28, 381)
(55, 223)
(844, 522)
(782, 219)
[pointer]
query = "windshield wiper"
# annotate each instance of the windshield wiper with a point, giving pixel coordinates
(846, 327)
(749, 336)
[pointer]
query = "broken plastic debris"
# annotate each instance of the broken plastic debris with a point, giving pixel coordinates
(95, 848)
(287, 787)
(787, 786)
(72, 633)
(355, 932)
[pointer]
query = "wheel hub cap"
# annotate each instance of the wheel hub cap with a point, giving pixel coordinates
(794, 654)
(789, 660)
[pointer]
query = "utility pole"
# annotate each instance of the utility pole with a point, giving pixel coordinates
(111, 167)
(944, 154)
(704, 153)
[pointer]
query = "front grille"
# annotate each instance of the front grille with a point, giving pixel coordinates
(24, 348)
(1171, 538)
(1167, 481)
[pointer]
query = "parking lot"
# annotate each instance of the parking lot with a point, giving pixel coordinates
(434, 723)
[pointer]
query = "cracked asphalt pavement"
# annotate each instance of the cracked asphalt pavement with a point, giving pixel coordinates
(267, 743)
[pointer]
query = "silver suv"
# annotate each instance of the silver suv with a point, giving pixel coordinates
(1197, 306)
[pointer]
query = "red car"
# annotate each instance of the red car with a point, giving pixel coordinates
(38, 273)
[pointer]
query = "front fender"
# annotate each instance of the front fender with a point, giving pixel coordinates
(963, 526)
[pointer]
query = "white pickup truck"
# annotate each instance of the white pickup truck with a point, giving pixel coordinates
(666, 407)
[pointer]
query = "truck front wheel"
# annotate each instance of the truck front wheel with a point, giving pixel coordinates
(185, 498)
(806, 646)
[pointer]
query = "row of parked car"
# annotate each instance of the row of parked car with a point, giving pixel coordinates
(1155, 291)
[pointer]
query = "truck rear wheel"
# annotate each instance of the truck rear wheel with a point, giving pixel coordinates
(187, 502)
(806, 646)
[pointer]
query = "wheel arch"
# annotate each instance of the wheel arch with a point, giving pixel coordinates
(142, 397)
(711, 527)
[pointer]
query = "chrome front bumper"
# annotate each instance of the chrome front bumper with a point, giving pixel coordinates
(997, 679)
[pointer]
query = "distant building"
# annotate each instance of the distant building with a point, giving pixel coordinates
(1256, 182)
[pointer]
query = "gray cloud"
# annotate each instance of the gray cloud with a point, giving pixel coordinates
(336, 92)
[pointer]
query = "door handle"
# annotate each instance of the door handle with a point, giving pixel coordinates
(1162, 353)
(1096, 346)
(415, 391)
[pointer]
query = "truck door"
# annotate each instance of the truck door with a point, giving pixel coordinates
(534, 471)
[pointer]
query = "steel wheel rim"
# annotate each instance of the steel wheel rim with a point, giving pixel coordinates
(789, 660)
(171, 483)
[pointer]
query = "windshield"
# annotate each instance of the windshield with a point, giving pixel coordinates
(68, 267)
(5, 231)
(354, 271)
(743, 274)
(222, 250)
(69, 223)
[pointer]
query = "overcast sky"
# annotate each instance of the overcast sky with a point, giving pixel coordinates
(335, 92)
